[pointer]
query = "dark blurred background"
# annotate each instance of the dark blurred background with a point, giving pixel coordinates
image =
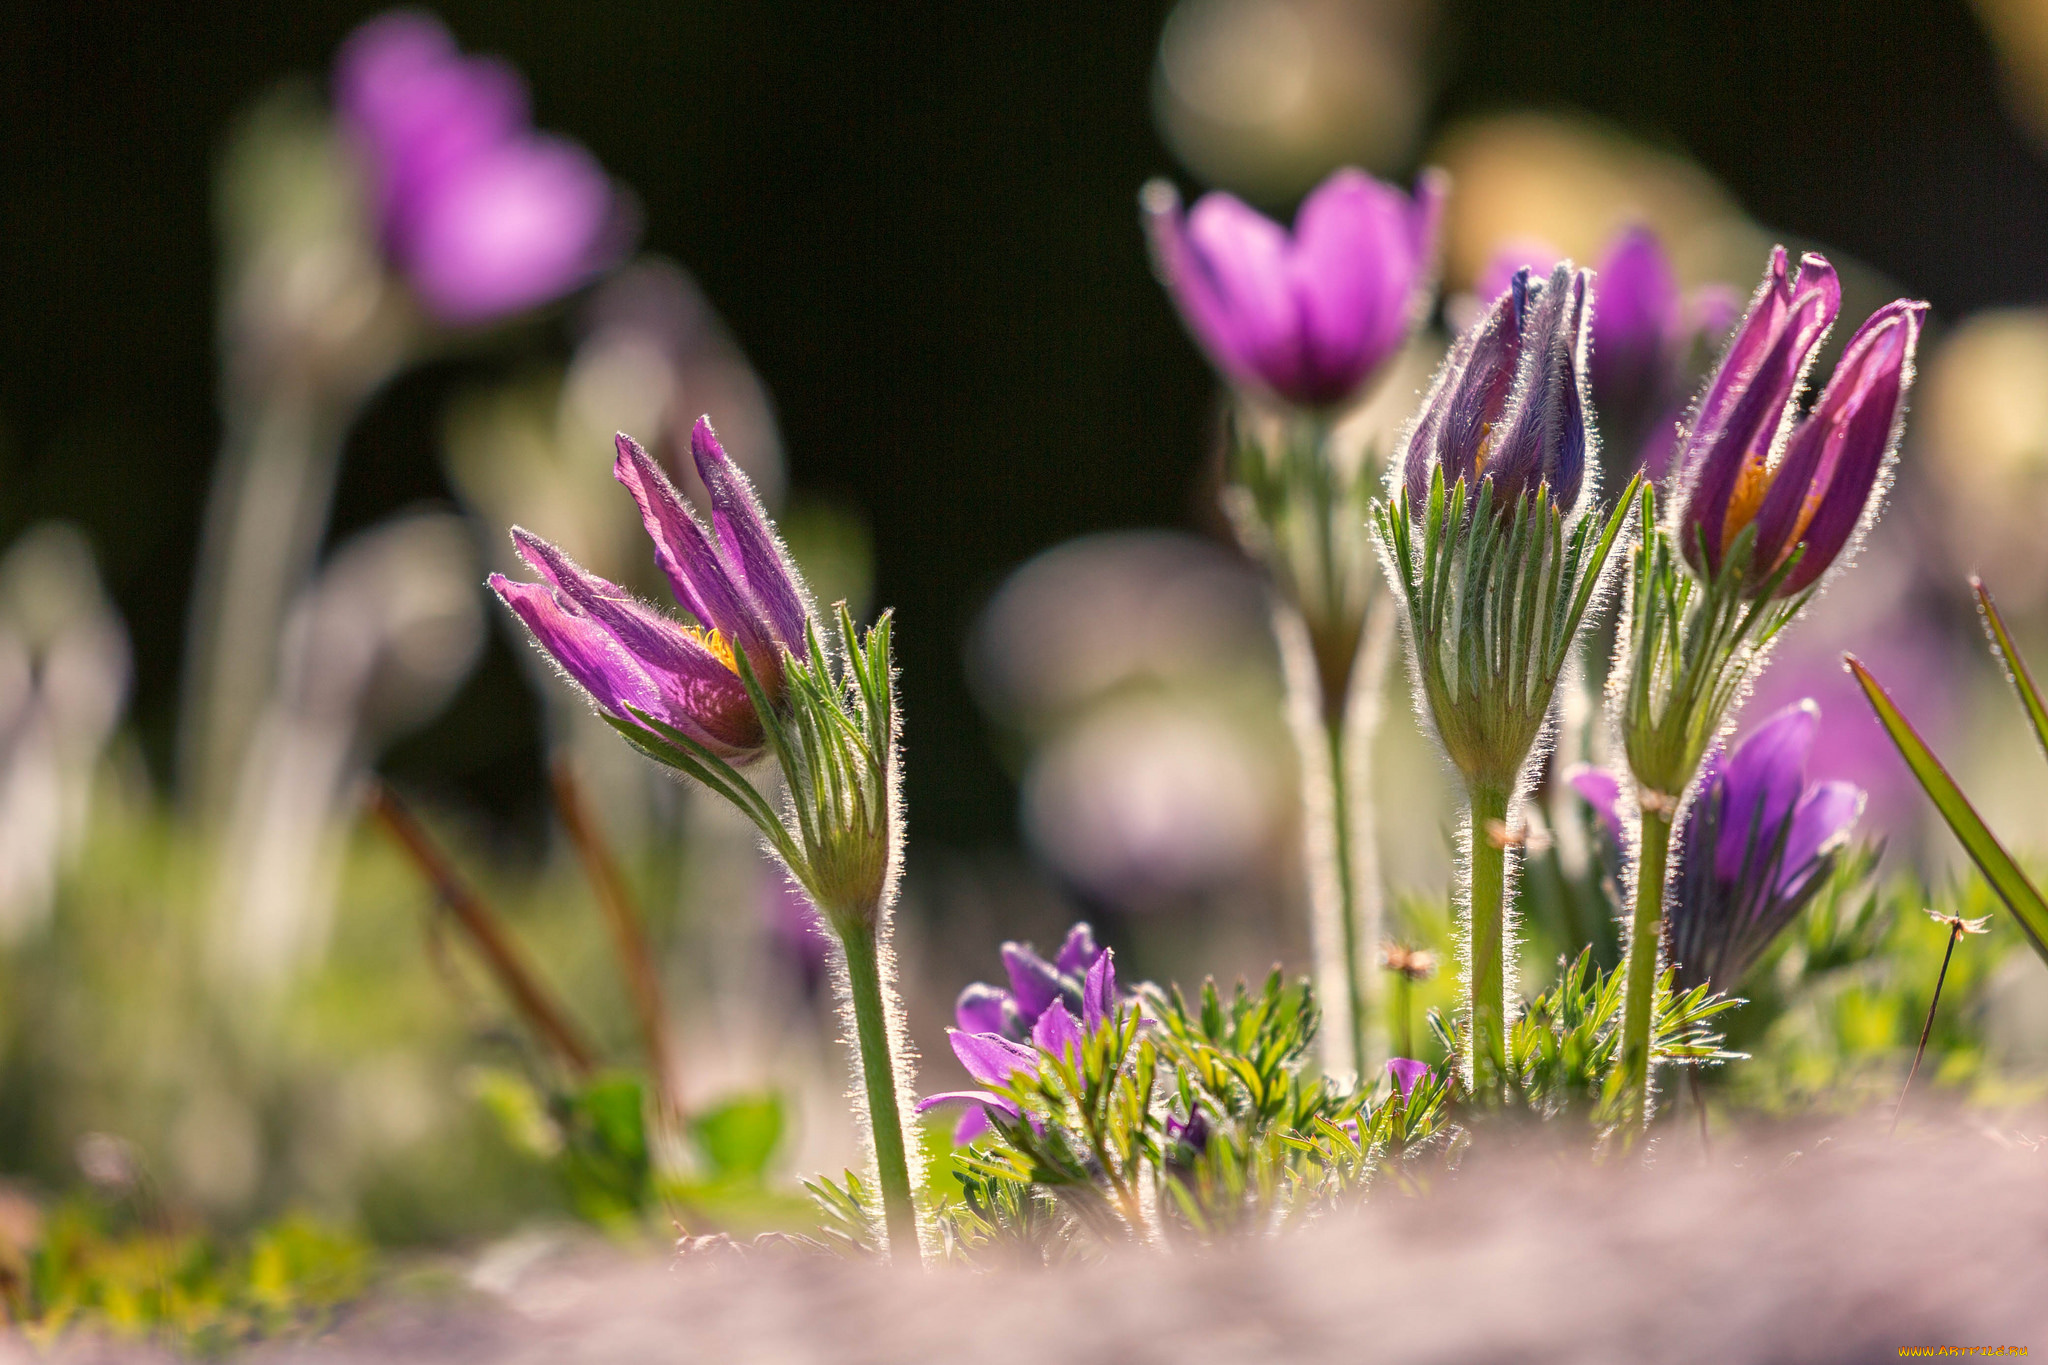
(921, 223)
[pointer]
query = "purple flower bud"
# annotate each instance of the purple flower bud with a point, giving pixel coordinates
(1758, 842)
(1510, 402)
(1407, 1073)
(742, 589)
(484, 216)
(1811, 487)
(1308, 318)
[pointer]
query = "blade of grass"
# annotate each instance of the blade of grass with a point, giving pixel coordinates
(2015, 667)
(1998, 867)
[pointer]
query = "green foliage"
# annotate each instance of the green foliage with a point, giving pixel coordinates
(1177, 1122)
(182, 1289)
(1495, 597)
(2020, 895)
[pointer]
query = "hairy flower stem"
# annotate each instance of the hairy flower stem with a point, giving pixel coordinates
(1646, 935)
(1487, 912)
(1955, 931)
(1348, 909)
(878, 1072)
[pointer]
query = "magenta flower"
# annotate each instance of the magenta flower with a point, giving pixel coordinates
(1746, 463)
(1509, 404)
(1003, 1032)
(1759, 841)
(484, 216)
(739, 584)
(1407, 1073)
(1308, 318)
(1601, 790)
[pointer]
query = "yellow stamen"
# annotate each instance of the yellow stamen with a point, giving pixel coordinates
(1485, 449)
(720, 647)
(1748, 498)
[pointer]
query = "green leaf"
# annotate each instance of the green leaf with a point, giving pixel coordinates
(738, 1138)
(2015, 667)
(1998, 867)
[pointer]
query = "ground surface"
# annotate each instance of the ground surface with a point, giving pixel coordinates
(1846, 1251)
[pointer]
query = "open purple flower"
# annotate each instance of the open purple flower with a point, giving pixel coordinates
(1747, 464)
(1051, 1007)
(1759, 841)
(1509, 404)
(739, 584)
(1307, 318)
(483, 215)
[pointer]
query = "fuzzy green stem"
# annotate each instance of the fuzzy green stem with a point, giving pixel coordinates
(1646, 934)
(1349, 911)
(1487, 916)
(878, 1071)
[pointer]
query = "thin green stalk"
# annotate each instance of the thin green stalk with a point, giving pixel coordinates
(1646, 935)
(1488, 915)
(1955, 931)
(1347, 890)
(878, 1071)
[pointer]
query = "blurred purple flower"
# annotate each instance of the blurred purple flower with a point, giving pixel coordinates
(1407, 1073)
(1307, 318)
(1509, 404)
(1601, 790)
(798, 930)
(1646, 338)
(740, 586)
(1815, 492)
(482, 214)
(1759, 841)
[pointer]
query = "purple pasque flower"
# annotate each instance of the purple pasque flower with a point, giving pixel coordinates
(1646, 334)
(739, 584)
(1035, 985)
(1509, 404)
(992, 1055)
(1747, 463)
(1306, 318)
(484, 216)
(1759, 841)
(1601, 790)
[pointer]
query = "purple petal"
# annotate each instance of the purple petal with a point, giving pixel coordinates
(1407, 1073)
(1034, 982)
(1079, 952)
(750, 543)
(1355, 268)
(1823, 819)
(1545, 441)
(1861, 412)
(686, 554)
(1760, 782)
(1057, 1033)
(699, 692)
(585, 650)
(507, 229)
(981, 1009)
(1098, 992)
(991, 1058)
(1601, 790)
(1745, 404)
(1490, 366)
(1245, 257)
(1190, 285)
(1425, 447)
